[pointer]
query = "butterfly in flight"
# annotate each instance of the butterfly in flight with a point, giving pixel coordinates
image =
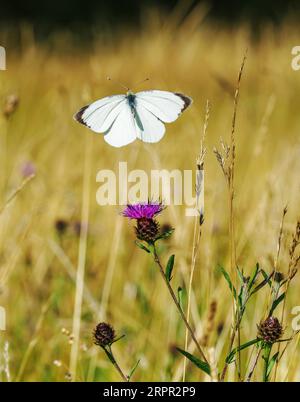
(124, 118)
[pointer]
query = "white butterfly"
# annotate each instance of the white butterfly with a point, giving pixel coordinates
(123, 118)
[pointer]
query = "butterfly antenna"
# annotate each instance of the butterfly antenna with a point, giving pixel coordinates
(141, 82)
(123, 86)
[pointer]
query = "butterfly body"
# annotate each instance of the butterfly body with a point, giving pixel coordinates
(131, 99)
(124, 118)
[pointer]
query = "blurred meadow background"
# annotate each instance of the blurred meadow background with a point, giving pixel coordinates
(52, 231)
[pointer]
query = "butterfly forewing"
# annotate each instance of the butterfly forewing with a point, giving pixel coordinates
(100, 115)
(166, 106)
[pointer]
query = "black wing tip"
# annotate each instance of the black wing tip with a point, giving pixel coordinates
(78, 116)
(186, 99)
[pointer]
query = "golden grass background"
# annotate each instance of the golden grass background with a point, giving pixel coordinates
(121, 285)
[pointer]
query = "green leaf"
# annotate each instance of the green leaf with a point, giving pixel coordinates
(230, 357)
(241, 276)
(262, 284)
(117, 339)
(285, 340)
(253, 277)
(266, 276)
(170, 266)
(165, 234)
(109, 355)
(142, 246)
(267, 347)
(227, 278)
(271, 364)
(276, 303)
(241, 297)
(180, 296)
(199, 363)
(133, 369)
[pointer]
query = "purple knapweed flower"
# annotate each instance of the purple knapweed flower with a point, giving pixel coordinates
(147, 228)
(143, 210)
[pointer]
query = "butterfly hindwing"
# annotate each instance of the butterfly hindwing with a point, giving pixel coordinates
(123, 131)
(149, 127)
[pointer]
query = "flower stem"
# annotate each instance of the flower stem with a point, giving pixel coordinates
(253, 366)
(116, 365)
(230, 349)
(266, 357)
(238, 319)
(157, 261)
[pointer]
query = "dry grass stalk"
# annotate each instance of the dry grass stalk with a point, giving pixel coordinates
(16, 192)
(210, 323)
(292, 271)
(81, 260)
(227, 163)
(197, 224)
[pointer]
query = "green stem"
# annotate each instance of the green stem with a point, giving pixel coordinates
(238, 319)
(254, 365)
(111, 357)
(157, 261)
(266, 357)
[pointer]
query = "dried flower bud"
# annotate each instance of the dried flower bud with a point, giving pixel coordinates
(166, 228)
(11, 104)
(104, 334)
(220, 328)
(27, 169)
(270, 330)
(278, 277)
(61, 226)
(173, 350)
(68, 376)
